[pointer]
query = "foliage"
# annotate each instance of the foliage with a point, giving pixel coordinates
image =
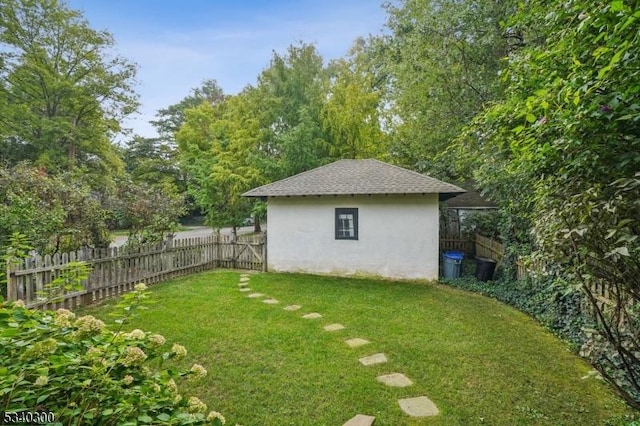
(18, 249)
(68, 279)
(288, 101)
(153, 161)
(83, 372)
(56, 213)
(352, 112)
(299, 115)
(595, 234)
(217, 146)
(149, 213)
(442, 58)
(170, 119)
(486, 223)
(63, 92)
(560, 153)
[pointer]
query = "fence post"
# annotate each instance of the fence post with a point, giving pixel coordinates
(233, 254)
(12, 283)
(264, 251)
(168, 246)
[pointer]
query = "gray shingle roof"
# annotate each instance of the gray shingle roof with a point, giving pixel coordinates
(346, 177)
(471, 199)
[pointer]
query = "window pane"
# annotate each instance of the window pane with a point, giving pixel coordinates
(346, 223)
(346, 228)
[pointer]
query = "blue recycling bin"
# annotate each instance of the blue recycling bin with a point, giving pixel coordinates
(452, 264)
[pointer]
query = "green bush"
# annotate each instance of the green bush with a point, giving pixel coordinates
(486, 223)
(83, 372)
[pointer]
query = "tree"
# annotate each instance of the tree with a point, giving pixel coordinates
(217, 146)
(63, 94)
(560, 152)
(149, 213)
(172, 117)
(153, 161)
(288, 100)
(352, 111)
(57, 213)
(443, 58)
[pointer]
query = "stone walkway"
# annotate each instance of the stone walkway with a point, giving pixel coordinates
(419, 406)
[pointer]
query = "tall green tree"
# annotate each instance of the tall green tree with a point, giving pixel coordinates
(352, 113)
(153, 161)
(443, 59)
(289, 99)
(561, 154)
(170, 119)
(63, 94)
(217, 145)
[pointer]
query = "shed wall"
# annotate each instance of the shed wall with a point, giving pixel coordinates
(398, 236)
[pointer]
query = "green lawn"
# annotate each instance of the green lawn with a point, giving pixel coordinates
(480, 361)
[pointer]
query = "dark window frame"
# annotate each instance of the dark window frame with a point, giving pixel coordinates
(346, 210)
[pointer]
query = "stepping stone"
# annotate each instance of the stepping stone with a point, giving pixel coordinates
(333, 327)
(244, 275)
(271, 301)
(312, 315)
(373, 359)
(244, 289)
(397, 380)
(254, 295)
(360, 420)
(292, 307)
(244, 279)
(243, 284)
(354, 343)
(420, 406)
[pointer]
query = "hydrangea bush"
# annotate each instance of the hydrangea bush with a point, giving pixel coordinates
(83, 372)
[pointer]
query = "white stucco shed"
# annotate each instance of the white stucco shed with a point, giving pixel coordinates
(355, 217)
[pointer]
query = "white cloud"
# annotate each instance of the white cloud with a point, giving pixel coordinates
(174, 60)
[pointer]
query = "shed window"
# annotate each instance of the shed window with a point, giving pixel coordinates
(346, 224)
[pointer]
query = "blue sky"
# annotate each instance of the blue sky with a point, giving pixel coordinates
(178, 44)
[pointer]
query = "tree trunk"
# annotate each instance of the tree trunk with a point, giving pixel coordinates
(256, 224)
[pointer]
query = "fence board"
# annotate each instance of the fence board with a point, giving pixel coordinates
(465, 245)
(117, 270)
(486, 247)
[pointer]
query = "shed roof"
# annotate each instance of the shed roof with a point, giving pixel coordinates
(356, 177)
(471, 199)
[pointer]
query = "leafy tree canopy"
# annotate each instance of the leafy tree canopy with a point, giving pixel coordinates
(561, 151)
(63, 93)
(443, 58)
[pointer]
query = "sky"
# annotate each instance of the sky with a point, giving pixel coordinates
(178, 44)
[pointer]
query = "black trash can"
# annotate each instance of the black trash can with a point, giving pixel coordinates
(485, 268)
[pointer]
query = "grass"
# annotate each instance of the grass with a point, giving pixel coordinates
(480, 361)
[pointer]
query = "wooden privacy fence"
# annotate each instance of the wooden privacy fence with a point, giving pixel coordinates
(465, 245)
(116, 270)
(481, 246)
(486, 247)
(473, 246)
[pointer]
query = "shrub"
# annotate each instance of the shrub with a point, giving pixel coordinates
(83, 372)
